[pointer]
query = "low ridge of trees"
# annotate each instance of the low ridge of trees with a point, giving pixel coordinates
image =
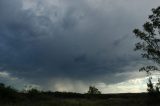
(11, 97)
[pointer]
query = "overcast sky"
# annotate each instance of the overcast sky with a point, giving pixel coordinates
(67, 45)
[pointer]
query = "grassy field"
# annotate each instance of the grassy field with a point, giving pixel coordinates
(72, 99)
(11, 97)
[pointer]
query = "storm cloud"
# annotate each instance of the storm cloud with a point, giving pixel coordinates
(83, 40)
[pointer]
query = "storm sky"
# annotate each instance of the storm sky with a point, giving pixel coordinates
(67, 45)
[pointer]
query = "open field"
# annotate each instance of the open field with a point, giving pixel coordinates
(74, 99)
(11, 97)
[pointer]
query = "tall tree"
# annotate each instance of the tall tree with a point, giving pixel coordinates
(93, 90)
(149, 43)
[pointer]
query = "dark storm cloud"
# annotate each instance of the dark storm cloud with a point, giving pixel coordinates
(73, 39)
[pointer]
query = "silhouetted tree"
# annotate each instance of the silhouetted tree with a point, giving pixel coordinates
(149, 44)
(158, 85)
(93, 90)
(150, 86)
(7, 93)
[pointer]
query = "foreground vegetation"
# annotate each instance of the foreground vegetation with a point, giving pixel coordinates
(33, 97)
